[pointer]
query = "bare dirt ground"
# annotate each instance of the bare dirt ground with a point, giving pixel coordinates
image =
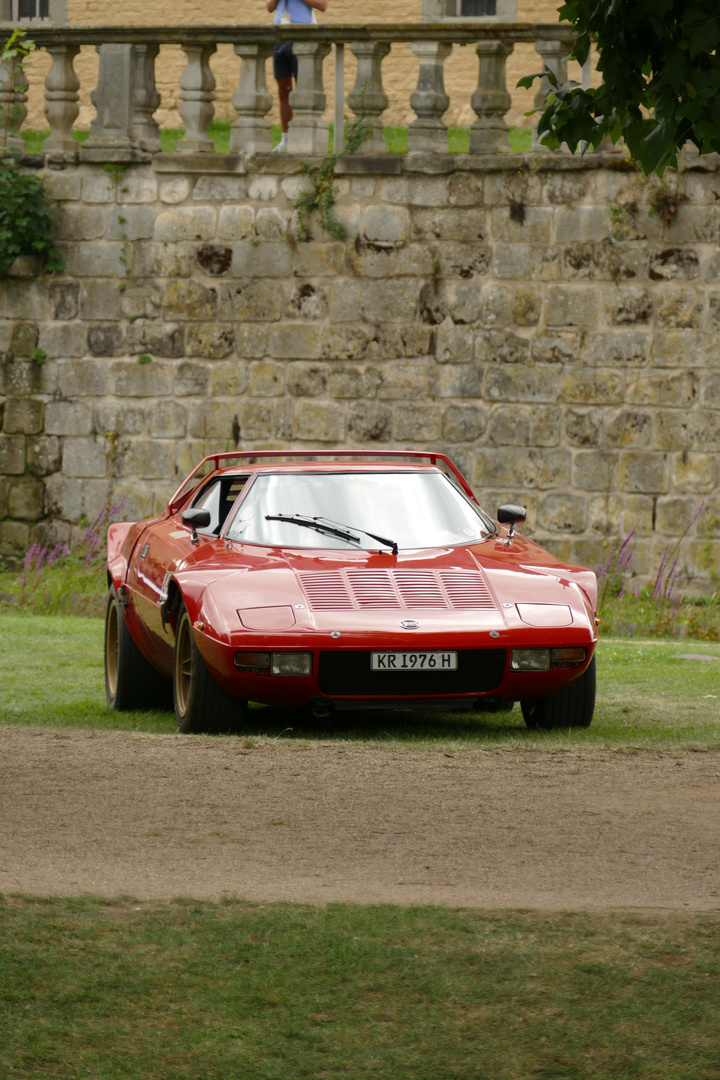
(155, 816)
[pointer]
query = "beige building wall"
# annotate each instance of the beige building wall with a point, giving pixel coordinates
(399, 68)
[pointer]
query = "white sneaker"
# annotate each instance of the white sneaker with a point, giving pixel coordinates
(281, 148)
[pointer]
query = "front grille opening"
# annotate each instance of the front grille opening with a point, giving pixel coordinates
(348, 674)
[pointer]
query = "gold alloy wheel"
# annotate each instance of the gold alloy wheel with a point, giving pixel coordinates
(111, 649)
(183, 665)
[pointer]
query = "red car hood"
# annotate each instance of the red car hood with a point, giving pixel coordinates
(487, 586)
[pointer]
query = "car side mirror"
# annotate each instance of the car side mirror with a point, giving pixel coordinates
(196, 519)
(511, 514)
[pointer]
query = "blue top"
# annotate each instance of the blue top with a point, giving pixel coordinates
(298, 11)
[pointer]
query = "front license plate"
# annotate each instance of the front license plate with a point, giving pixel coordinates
(413, 661)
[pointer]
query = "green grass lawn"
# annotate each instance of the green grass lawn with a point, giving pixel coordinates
(96, 990)
(51, 675)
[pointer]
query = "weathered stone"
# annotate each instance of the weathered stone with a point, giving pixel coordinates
(643, 471)
(583, 427)
(283, 419)
(353, 382)
(454, 344)
(623, 348)
(256, 421)
(464, 304)
(629, 427)
(18, 377)
(188, 300)
(84, 458)
(186, 223)
(510, 382)
(271, 224)
(376, 260)
(105, 339)
(154, 259)
(556, 347)
(688, 430)
(674, 514)
(501, 346)
(25, 499)
(404, 341)
(138, 186)
(214, 340)
(538, 468)
(266, 258)
(434, 303)
(44, 455)
(565, 306)
(263, 188)
(386, 224)
(582, 223)
(672, 264)
(100, 300)
(526, 305)
(251, 340)
(148, 459)
(351, 300)
(545, 425)
(629, 305)
(228, 378)
(131, 379)
(370, 422)
(509, 426)
(457, 381)
(595, 470)
(67, 418)
(678, 389)
(236, 223)
(266, 379)
(63, 339)
(64, 299)
(563, 513)
(562, 188)
(465, 189)
(113, 419)
(191, 380)
(12, 455)
(418, 423)
(463, 423)
(25, 337)
(130, 223)
(90, 259)
(442, 223)
(220, 188)
(141, 301)
(251, 301)
(26, 300)
(452, 259)
(678, 348)
(23, 416)
(215, 259)
(157, 339)
(318, 259)
(62, 185)
(215, 420)
(404, 379)
(698, 224)
(175, 191)
(416, 191)
(593, 387)
(681, 308)
(306, 380)
(518, 223)
(693, 471)
(514, 261)
(496, 305)
(320, 421)
(308, 302)
(296, 340)
(98, 187)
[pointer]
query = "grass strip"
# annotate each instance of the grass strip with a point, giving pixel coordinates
(135, 991)
(51, 675)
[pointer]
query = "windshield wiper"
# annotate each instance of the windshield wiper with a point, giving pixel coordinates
(392, 544)
(331, 528)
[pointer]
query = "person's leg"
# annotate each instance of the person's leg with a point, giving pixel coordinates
(286, 113)
(284, 70)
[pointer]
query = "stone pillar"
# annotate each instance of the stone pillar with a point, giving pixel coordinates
(491, 100)
(367, 99)
(552, 54)
(197, 83)
(125, 99)
(13, 110)
(61, 100)
(251, 133)
(429, 102)
(308, 133)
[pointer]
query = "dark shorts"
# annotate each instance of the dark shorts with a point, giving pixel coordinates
(285, 65)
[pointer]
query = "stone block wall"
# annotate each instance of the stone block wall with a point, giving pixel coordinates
(557, 339)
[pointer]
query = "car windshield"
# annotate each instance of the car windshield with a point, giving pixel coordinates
(412, 510)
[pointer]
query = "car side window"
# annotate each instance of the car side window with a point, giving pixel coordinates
(219, 498)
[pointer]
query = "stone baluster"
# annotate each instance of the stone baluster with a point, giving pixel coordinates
(146, 98)
(491, 100)
(553, 54)
(308, 133)
(251, 133)
(197, 83)
(428, 134)
(61, 100)
(125, 99)
(367, 99)
(13, 110)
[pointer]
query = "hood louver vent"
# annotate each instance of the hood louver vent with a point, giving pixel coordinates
(399, 590)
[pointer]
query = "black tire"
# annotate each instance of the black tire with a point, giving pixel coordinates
(130, 682)
(200, 704)
(573, 707)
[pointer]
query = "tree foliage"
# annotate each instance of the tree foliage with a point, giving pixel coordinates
(660, 66)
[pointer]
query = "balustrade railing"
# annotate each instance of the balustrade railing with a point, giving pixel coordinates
(125, 97)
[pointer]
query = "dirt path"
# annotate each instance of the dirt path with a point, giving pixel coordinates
(161, 816)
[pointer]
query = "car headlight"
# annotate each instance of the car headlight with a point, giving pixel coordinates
(545, 659)
(265, 663)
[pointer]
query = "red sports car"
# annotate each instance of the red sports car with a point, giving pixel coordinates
(342, 581)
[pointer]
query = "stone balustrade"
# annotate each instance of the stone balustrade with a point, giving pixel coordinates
(126, 97)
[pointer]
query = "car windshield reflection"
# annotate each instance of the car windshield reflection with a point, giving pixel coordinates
(417, 510)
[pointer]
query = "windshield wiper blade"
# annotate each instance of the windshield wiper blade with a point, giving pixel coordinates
(392, 544)
(314, 523)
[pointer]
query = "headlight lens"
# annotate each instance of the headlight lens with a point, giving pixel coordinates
(545, 659)
(252, 661)
(291, 663)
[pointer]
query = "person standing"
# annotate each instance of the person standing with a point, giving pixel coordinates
(285, 66)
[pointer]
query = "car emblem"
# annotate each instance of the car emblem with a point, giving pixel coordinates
(409, 624)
